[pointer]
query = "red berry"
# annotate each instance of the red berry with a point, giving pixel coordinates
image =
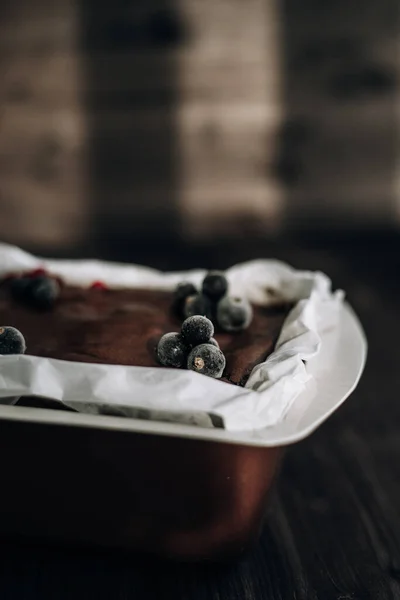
(98, 285)
(37, 272)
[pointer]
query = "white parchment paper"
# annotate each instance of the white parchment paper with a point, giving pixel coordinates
(269, 393)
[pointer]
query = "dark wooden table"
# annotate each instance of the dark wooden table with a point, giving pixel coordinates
(333, 530)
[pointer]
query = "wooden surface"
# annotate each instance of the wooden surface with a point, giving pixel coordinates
(341, 84)
(189, 118)
(333, 529)
(122, 118)
(42, 167)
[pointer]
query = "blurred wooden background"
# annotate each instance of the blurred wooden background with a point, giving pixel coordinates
(190, 119)
(341, 78)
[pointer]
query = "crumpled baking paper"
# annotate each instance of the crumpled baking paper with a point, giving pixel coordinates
(181, 395)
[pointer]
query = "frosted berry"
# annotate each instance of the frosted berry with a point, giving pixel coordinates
(197, 304)
(172, 351)
(182, 291)
(215, 285)
(197, 330)
(207, 360)
(234, 314)
(43, 292)
(11, 341)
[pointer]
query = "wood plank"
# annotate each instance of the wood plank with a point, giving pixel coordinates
(359, 18)
(225, 166)
(57, 78)
(342, 76)
(42, 172)
(42, 214)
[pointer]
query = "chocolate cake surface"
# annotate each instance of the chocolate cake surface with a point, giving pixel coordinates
(123, 327)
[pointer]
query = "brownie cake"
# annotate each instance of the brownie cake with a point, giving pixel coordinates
(123, 327)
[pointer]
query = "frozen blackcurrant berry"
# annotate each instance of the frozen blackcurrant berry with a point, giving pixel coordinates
(11, 341)
(234, 314)
(207, 360)
(43, 292)
(39, 291)
(172, 351)
(198, 304)
(197, 330)
(214, 342)
(182, 291)
(19, 287)
(215, 285)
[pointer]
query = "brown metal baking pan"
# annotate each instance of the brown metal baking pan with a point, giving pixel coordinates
(182, 498)
(175, 490)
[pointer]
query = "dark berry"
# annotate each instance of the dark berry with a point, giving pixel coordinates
(207, 360)
(215, 285)
(19, 287)
(172, 351)
(43, 292)
(11, 341)
(182, 291)
(214, 342)
(197, 330)
(234, 314)
(7, 279)
(198, 304)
